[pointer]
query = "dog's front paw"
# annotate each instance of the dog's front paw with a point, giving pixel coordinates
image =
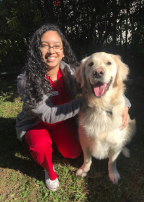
(114, 177)
(81, 172)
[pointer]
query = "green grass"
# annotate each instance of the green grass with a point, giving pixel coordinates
(21, 179)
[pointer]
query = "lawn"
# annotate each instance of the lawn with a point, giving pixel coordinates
(21, 179)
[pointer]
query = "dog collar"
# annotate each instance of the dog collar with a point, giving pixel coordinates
(109, 112)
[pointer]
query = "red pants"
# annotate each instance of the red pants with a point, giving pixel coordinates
(64, 135)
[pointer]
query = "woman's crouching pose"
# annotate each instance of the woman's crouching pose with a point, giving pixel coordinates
(48, 88)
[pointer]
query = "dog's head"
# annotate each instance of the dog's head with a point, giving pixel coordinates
(101, 71)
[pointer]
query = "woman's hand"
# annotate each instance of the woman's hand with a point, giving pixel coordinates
(124, 118)
(85, 95)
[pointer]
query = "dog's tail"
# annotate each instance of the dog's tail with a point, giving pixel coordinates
(126, 152)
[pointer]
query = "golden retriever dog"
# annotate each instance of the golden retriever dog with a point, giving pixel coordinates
(101, 76)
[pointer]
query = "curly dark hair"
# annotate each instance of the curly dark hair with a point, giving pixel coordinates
(35, 68)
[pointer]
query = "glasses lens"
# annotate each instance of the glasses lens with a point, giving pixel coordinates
(45, 47)
(57, 47)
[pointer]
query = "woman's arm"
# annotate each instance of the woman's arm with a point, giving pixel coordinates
(46, 111)
(125, 113)
(49, 113)
(127, 102)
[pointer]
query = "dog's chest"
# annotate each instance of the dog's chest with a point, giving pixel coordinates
(101, 131)
(100, 124)
(98, 119)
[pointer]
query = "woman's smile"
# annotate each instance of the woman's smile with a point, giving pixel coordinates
(51, 59)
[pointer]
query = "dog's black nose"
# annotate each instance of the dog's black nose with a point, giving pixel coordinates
(98, 73)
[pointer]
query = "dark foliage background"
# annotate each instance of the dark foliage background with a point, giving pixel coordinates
(90, 26)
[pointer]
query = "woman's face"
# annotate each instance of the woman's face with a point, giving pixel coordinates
(51, 49)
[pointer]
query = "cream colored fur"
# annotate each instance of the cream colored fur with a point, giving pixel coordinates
(99, 123)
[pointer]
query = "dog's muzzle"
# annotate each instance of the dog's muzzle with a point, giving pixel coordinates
(99, 88)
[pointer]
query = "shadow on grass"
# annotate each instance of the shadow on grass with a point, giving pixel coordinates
(15, 154)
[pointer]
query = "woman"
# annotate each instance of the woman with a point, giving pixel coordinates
(48, 88)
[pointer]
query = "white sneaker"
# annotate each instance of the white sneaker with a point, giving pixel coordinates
(51, 184)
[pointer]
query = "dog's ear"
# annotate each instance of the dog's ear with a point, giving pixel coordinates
(84, 60)
(80, 72)
(122, 70)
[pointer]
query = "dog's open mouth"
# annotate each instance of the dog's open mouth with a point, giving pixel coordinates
(99, 88)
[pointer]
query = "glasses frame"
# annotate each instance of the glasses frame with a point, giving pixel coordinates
(48, 48)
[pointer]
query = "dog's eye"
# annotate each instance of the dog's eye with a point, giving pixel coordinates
(109, 63)
(91, 64)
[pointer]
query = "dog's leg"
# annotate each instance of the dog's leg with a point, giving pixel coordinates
(82, 171)
(114, 175)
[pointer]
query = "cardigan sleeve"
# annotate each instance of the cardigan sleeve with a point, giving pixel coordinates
(127, 102)
(46, 111)
(49, 113)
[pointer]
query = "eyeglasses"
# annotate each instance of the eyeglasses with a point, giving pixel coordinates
(56, 48)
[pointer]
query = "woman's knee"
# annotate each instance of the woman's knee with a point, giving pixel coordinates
(70, 152)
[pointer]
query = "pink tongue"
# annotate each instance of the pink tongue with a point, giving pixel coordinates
(98, 89)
